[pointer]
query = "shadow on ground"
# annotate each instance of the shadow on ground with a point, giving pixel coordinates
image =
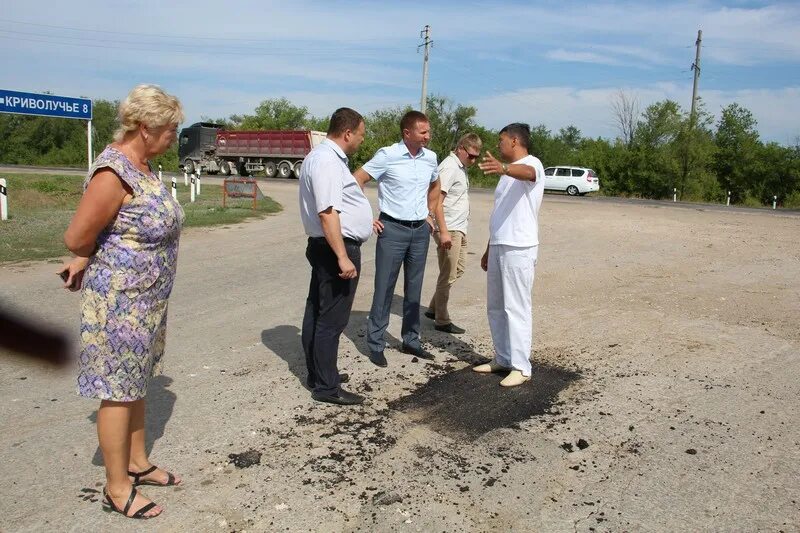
(465, 404)
(284, 341)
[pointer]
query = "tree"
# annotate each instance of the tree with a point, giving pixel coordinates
(654, 160)
(696, 151)
(35, 140)
(383, 129)
(274, 114)
(776, 172)
(541, 145)
(625, 109)
(104, 123)
(737, 150)
(448, 123)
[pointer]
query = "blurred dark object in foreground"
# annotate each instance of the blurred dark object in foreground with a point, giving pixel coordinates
(30, 339)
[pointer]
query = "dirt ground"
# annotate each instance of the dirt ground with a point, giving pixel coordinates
(665, 389)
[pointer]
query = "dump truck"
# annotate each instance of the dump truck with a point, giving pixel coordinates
(273, 152)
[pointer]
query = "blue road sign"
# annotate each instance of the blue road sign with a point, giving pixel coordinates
(48, 105)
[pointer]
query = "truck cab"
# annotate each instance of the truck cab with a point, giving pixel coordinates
(196, 147)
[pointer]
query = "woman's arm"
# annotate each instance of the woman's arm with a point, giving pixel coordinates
(99, 206)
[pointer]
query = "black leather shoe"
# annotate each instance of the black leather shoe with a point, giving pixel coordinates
(343, 378)
(340, 398)
(430, 314)
(450, 328)
(419, 352)
(378, 359)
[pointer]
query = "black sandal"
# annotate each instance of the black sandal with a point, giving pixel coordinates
(137, 475)
(109, 505)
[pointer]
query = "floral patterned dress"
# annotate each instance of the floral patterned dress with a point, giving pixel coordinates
(126, 287)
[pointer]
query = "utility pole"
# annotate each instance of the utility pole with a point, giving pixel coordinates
(686, 155)
(696, 69)
(426, 35)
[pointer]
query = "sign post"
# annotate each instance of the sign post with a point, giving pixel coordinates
(49, 105)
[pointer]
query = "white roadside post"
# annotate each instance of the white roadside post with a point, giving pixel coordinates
(674, 194)
(728, 204)
(174, 187)
(3, 200)
(191, 190)
(185, 179)
(197, 182)
(160, 177)
(774, 202)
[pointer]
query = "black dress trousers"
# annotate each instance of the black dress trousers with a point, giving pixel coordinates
(330, 299)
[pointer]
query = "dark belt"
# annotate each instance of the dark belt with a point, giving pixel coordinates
(323, 240)
(406, 223)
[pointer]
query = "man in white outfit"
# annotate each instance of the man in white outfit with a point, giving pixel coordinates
(510, 257)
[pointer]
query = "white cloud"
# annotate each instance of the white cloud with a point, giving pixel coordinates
(580, 57)
(224, 58)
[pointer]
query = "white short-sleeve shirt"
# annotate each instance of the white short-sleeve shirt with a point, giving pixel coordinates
(326, 181)
(515, 217)
(454, 182)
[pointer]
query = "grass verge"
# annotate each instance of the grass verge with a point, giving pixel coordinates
(41, 207)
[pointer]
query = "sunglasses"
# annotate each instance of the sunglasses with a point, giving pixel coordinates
(469, 155)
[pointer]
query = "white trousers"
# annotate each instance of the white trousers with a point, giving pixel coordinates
(509, 303)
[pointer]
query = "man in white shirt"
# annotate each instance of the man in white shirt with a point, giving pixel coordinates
(510, 257)
(455, 204)
(337, 218)
(408, 198)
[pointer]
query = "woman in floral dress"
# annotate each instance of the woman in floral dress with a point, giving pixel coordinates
(125, 238)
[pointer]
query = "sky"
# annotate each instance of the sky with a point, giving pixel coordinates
(552, 63)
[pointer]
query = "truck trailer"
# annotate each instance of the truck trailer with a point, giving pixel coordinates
(275, 153)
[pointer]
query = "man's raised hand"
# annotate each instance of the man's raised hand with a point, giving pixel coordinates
(490, 165)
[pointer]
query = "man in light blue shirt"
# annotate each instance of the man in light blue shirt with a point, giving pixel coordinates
(408, 199)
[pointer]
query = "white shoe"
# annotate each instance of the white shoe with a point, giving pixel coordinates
(488, 368)
(514, 378)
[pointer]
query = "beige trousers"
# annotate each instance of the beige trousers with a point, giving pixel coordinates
(451, 266)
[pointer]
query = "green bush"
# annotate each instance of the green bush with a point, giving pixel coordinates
(792, 201)
(751, 201)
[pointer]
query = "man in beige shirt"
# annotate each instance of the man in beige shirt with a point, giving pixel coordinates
(455, 202)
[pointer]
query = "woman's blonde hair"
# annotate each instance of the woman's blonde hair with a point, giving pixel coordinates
(148, 105)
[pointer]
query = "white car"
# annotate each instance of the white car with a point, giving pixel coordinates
(572, 180)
